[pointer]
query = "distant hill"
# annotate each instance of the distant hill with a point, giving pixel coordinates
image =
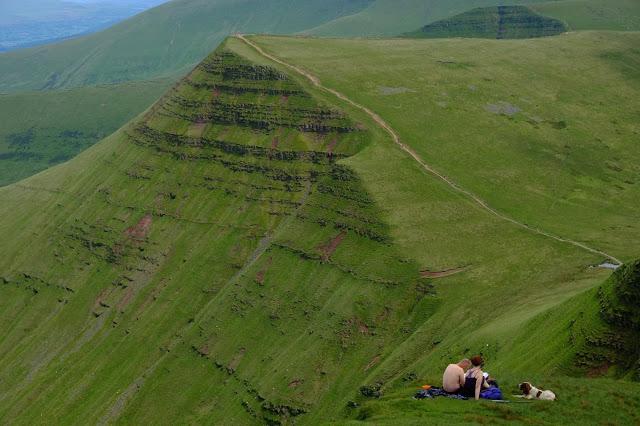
(160, 44)
(393, 17)
(616, 15)
(25, 23)
(501, 22)
(164, 41)
(42, 129)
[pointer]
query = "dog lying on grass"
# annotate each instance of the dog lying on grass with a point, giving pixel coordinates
(531, 392)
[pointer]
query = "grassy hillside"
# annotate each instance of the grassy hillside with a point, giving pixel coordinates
(393, 17)
(504, 329)
(171, 256)
(164, 41)
(501, 22)
(616, 15)
(26, 23)
(41, 129)
(553, 149)
(250, 250)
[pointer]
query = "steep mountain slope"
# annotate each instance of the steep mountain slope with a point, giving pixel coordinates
(172, 252)
(501, 22)
(250, 250)
(42, 129)
(164, 41)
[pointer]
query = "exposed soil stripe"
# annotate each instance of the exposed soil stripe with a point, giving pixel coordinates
(373, 362)
(141, 229)
(233, 365)
(260, 275)
(295, 383)
(328, 249)
(332, 146)
(383, 124)
(442, 274)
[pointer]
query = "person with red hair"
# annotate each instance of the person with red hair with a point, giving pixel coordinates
(475, 379)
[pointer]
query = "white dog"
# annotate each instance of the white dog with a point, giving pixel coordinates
(531, 392)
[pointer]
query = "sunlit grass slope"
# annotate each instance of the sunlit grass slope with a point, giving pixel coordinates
(544, 130)
(250, 250)
(527, 329)
(42, 129)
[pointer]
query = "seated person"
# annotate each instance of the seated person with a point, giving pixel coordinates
(453, 378)
(475, 380)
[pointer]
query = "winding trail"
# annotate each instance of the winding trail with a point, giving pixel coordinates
(383, 124)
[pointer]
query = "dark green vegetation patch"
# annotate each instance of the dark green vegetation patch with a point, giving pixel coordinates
(501, 22)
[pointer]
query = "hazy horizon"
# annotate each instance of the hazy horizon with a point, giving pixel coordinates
(27, 23)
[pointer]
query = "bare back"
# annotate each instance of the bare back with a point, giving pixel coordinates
(453, 378)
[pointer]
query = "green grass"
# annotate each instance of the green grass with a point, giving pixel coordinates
(615, 15)
(212, 263)
(42, 129)
(188, 295)
(550, 148)
(502, 22)
(162, 42)
(393, 17)
(601, 401)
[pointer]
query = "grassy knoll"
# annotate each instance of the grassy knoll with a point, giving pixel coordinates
(501, 22)
(41, 129)
(249, 251)
(616, 15)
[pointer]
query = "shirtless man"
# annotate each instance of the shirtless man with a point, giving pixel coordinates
(453, 378)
